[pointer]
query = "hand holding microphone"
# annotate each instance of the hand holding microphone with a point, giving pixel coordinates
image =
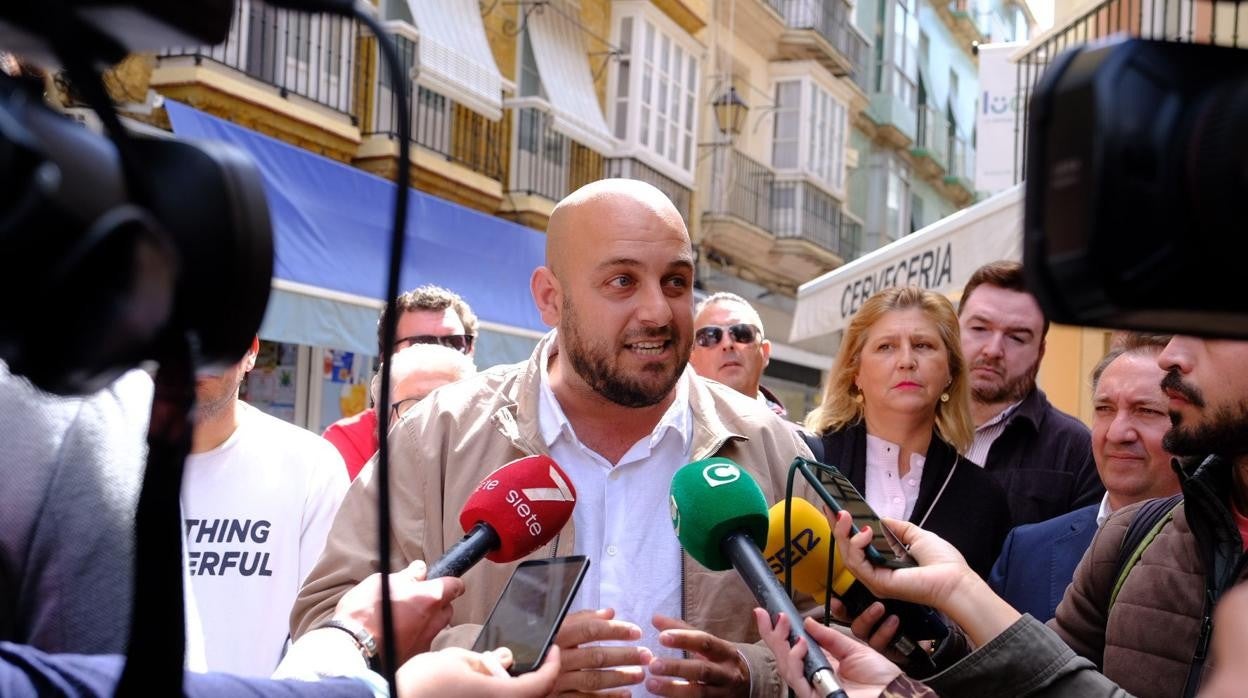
(810, 548)
(720, 517)
(515, 510)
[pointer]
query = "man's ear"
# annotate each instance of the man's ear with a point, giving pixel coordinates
(1043, 343)
(249, 359)
(765, 345)
(547, 294)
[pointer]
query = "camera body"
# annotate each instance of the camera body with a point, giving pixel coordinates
(1136, 183)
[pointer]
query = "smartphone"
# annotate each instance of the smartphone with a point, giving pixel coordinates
(531, 608)
(885, 550)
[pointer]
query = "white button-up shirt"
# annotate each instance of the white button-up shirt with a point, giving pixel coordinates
(622, 518)
(889, 493)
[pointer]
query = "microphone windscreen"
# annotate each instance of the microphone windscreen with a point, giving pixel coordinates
(811, 545)
(710, 499)
(526, 502)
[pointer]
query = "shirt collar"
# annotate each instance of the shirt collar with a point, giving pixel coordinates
(1103, 513)
(552, 423)
(1001, 417)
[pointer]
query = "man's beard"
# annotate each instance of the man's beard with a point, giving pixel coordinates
(1223, 432)
(1010, 391)
(594, 364)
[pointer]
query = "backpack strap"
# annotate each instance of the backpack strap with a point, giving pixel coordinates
(1148, 521)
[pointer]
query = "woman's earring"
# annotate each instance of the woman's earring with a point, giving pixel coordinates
(944, 397)
(858, 396)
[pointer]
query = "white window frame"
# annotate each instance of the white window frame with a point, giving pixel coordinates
(655, 108)
(823, 135)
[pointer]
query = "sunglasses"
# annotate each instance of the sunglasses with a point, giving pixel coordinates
(711, 335)
(461, 343)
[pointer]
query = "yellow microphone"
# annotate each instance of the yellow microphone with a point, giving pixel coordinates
(810, 545)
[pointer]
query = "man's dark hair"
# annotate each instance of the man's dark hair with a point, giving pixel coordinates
(433, 299)
(1130, 343)
(1002, 274)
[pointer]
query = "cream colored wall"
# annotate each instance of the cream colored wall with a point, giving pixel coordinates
(1070, 355)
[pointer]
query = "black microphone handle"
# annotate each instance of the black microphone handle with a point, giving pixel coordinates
(747, 559)
(467, 552)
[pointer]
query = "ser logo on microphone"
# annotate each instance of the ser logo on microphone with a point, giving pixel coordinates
(717, 474)
(803, 542)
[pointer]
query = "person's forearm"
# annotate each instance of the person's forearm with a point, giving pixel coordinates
(980, 613)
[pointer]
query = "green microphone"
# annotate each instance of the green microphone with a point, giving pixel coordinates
(720, 517)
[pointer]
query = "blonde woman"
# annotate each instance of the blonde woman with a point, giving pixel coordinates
(895, 418)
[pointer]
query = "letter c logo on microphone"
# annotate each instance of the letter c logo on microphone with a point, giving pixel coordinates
(718, 474)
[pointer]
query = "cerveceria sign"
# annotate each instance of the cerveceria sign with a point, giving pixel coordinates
(940, 258)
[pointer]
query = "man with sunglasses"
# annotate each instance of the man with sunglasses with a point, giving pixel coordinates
(427, 315)
(729, 347)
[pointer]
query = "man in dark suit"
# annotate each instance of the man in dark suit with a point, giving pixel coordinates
(1131, 416)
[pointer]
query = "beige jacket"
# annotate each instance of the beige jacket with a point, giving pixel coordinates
(450, 441)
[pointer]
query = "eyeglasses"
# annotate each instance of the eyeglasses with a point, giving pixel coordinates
(711, 335)
(461, 343)
(402, 406)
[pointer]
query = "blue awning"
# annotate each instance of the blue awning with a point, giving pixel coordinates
(331, 226)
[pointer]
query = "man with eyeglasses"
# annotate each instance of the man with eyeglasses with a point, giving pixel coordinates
(729, 347)
(417, 371)
(427, 315)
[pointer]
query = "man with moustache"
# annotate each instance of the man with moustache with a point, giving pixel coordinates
(258, 497)
(1041, 456)
(609, 396)
(1131, 417)
(1150, 631)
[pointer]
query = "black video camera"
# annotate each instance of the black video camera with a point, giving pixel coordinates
(1137, 175)
(111, 244)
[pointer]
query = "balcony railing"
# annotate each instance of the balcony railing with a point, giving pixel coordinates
(1172, 20)
(851, 239)
(632, 168)
(739, 186)
(312, 56)
(801, 210)
(961, 162)
(438, 123)
(542, 156)
(858, 50)
(933, 136)
(831, 20)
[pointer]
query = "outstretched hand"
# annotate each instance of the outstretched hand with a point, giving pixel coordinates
(421, 607)
(861, 671)
(467, 674)
(714, 667)
(941, 580)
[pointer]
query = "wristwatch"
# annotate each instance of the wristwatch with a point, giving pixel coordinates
(363, 639)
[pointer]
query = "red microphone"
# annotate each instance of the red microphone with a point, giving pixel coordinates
(514, 511)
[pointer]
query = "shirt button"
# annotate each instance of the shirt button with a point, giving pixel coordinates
(611, 550)
(910, 482)
(896, 500)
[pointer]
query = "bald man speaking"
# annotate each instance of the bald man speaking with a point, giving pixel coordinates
(607, 394)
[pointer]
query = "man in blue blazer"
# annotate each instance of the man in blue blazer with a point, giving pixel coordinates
(1131, 414)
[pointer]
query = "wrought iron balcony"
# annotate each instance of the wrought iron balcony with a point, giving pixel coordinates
(830, 20)
(932, 140)
(804, 211)
(312, 56)
(438, 123)
(961, 170)
(739, 186)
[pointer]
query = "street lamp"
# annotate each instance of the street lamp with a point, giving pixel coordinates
(730, 112)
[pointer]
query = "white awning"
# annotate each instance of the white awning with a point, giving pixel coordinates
(563, 64)
(455, 57)
(940, 257)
